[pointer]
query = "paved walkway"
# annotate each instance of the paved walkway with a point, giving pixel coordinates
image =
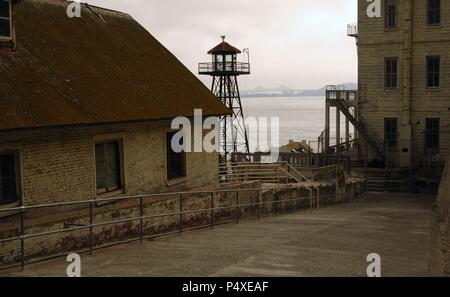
(331, 242)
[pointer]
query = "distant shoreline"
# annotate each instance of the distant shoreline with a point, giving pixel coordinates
(282, 96)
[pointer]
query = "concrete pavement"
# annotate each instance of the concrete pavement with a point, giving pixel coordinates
(333, 241)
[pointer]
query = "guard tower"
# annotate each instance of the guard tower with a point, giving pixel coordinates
(225, 69)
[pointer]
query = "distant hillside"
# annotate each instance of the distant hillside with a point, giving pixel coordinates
(284, 91)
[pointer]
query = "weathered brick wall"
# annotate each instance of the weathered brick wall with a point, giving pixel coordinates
(57, 164)
(440, 239)
(375, 43)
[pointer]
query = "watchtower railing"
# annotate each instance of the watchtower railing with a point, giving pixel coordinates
(217, 67)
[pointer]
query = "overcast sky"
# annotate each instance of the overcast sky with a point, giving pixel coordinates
(298, 43)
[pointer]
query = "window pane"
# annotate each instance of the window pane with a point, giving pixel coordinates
(390, 132)
(8, 183)
(4, 9)
(100, 167)
(434, 12)
(391, 73)
(432, 132)
(175, 161)
(433, 71)
(391, 13)
(113, 165)
(5, 29)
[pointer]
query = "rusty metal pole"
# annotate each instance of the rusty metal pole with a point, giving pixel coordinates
(22, 238)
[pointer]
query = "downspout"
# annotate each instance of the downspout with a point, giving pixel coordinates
(406, 59)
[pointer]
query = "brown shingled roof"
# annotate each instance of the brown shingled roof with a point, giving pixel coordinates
(92, 70)
(224, 48)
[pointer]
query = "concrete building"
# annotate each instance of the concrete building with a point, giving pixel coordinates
(404, 86)
(86, 106)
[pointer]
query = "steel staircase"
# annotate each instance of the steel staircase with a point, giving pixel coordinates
(366, 131)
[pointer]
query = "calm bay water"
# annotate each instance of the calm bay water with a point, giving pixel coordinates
(301, 118)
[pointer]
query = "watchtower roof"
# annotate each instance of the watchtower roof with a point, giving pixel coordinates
(224, 48)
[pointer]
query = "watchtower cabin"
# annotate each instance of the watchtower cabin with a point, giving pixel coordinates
(225, 69)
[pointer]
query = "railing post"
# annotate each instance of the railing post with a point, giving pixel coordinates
(318, 198)
(237, 207)
(22, 238)
(181, 213)
(141, 215)
(212, 210)
(259, 203)
(91, 233)
(292, 201)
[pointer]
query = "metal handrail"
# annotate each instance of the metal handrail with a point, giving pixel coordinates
(182, 196)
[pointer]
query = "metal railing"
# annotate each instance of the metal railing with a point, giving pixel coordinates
(140, 203)
(212, 67)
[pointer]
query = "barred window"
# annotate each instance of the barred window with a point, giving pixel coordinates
(433, 71)
(391, 73)
(390, 132)
(432, 134)
(434, 12)
(391, 14)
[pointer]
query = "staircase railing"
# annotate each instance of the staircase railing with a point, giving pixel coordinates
(363, 127)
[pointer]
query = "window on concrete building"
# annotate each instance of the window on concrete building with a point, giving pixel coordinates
(432, 134)
(108, 166)
(391, 73)
(433, 12)
(433, 71)
(5, 20)
(9, 178)
(390, 132)
(391, 14)
(176, 161)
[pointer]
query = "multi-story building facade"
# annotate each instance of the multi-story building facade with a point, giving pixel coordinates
(404, 86)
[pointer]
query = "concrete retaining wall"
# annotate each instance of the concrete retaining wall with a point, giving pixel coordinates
(440, 239)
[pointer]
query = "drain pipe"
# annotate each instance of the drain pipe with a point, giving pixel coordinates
(406, 58)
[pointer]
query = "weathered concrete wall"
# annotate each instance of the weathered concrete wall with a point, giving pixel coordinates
(375, 43)
(271, 201)
(440, 239)
(58, 164)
